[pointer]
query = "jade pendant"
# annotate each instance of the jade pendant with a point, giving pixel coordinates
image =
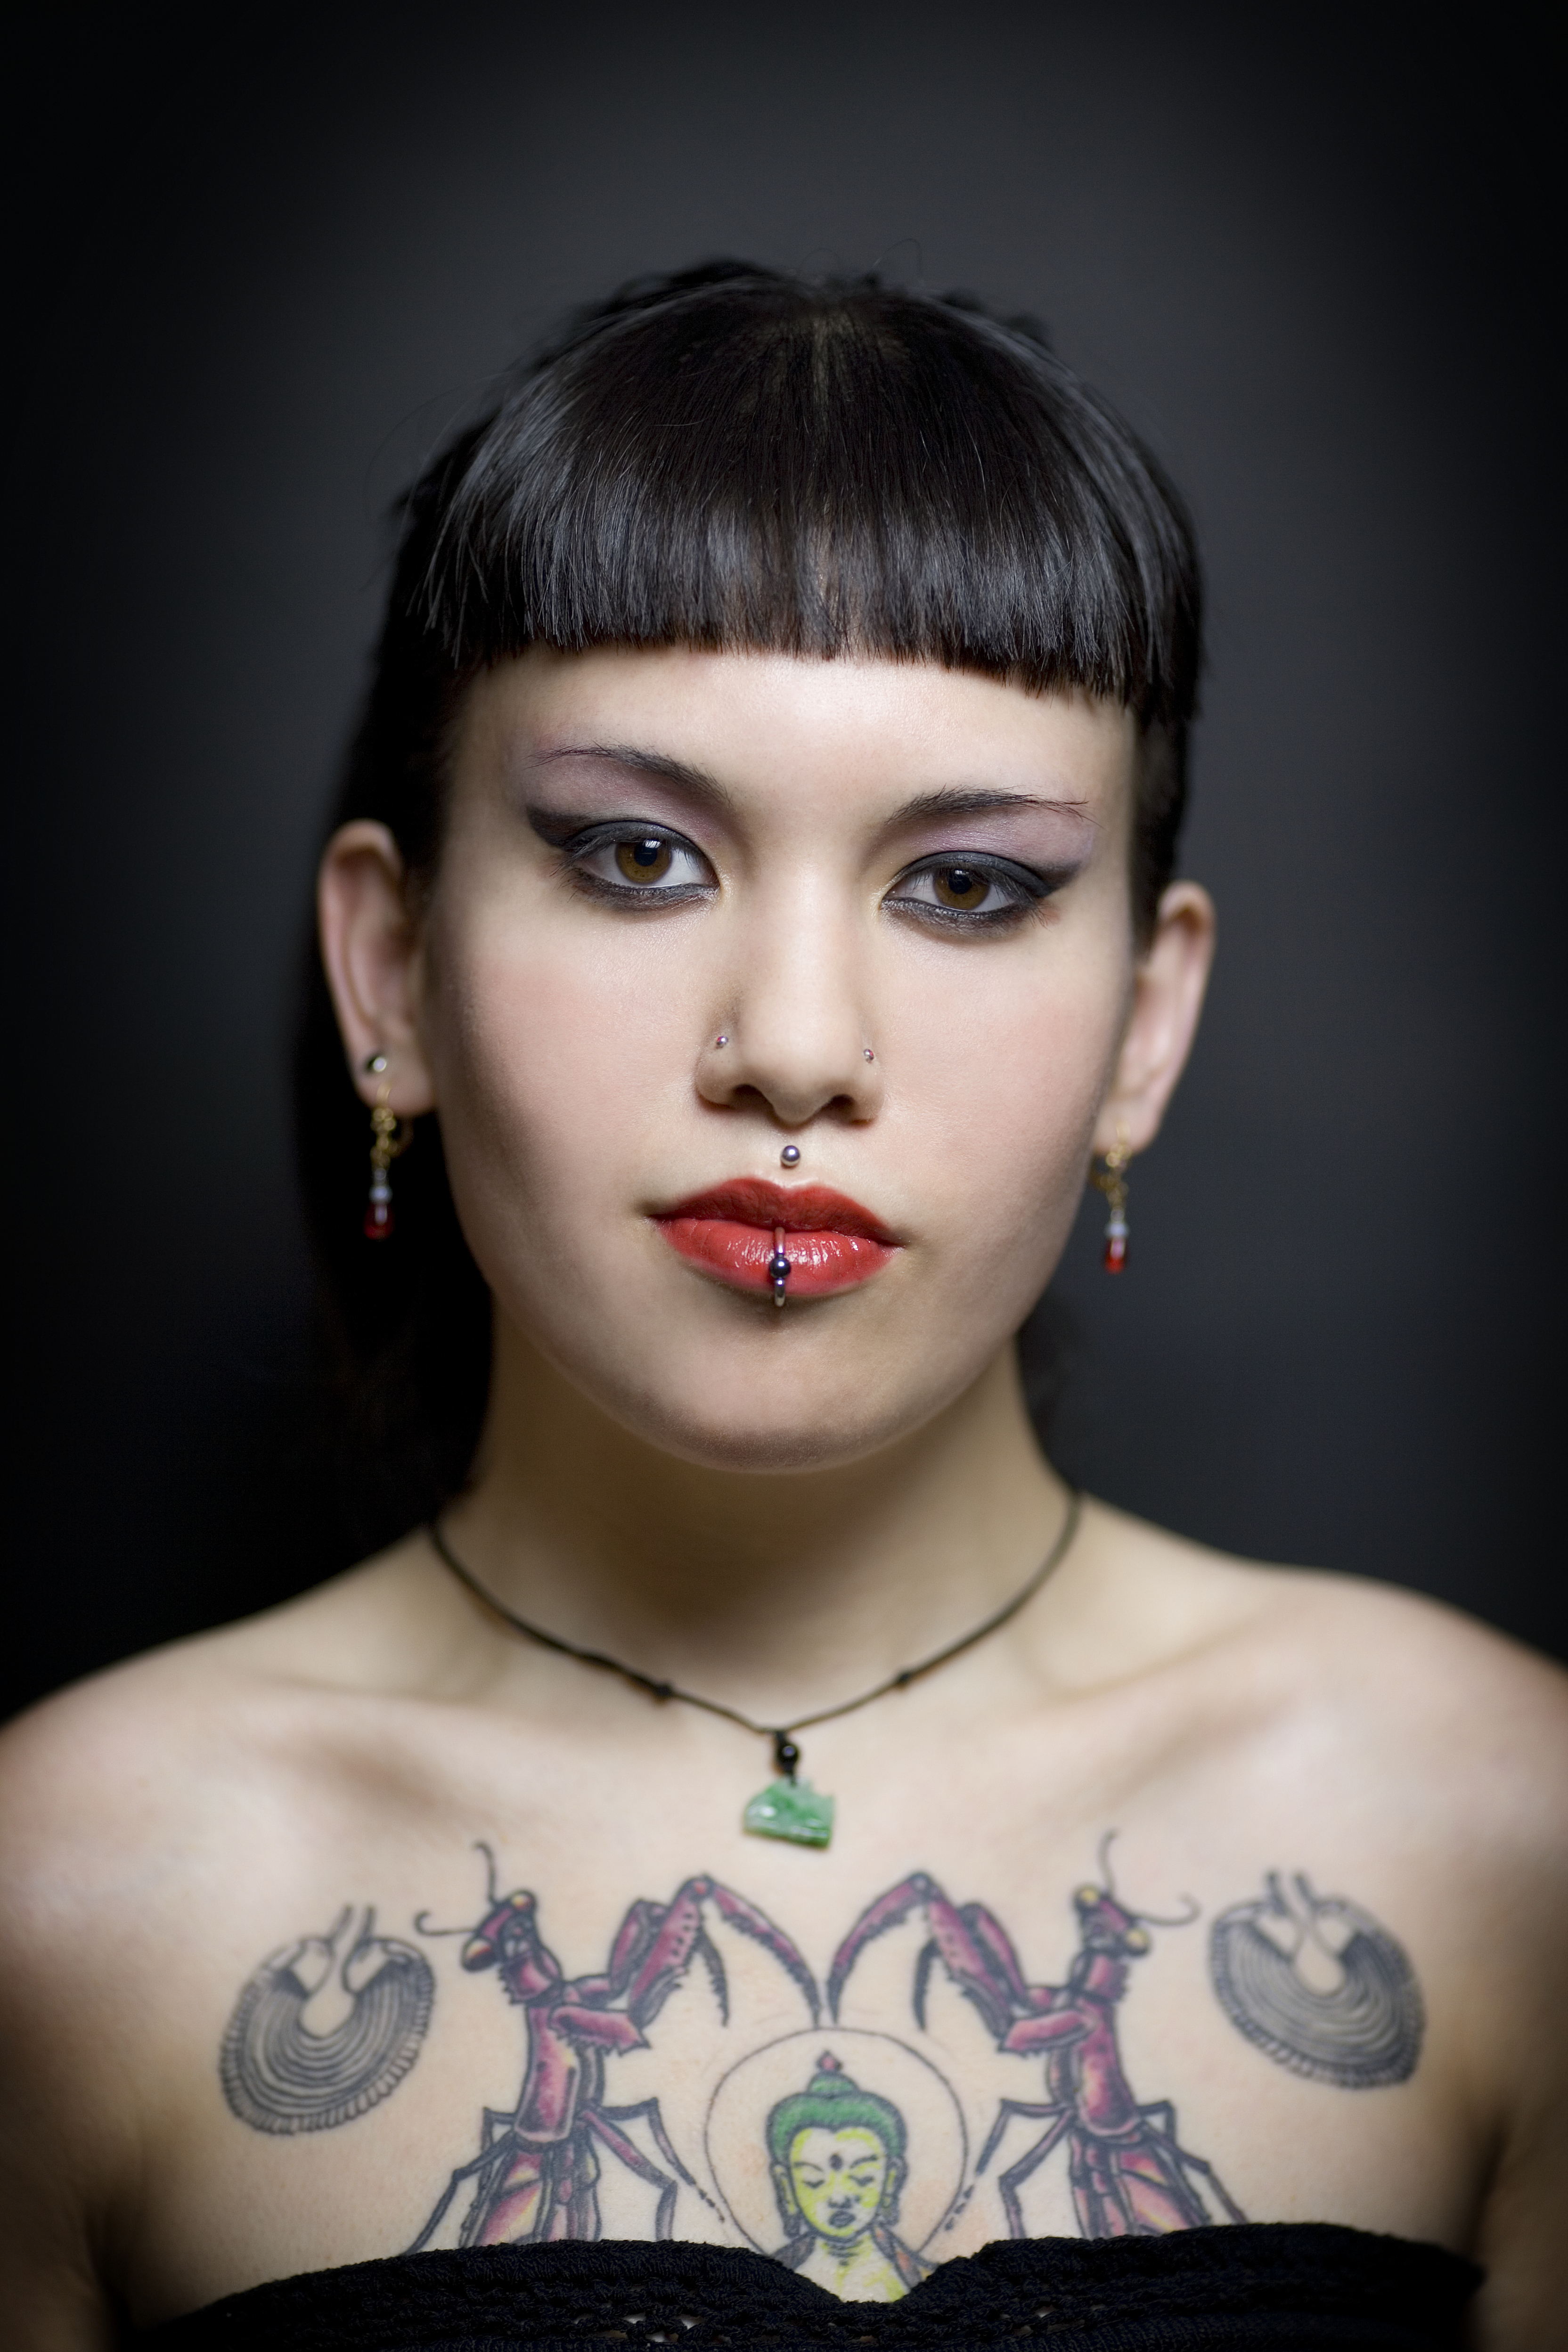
(792, 1810)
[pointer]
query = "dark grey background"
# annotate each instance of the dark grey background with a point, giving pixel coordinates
(261, 262)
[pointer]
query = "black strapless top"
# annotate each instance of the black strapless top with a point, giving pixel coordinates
(1275, 2286)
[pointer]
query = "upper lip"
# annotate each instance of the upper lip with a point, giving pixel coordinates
(798, 1208)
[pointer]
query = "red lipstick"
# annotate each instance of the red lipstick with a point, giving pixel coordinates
(831, 1242)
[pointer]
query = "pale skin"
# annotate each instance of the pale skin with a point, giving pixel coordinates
(777, 1509)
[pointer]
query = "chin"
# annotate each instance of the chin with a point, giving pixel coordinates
(727, 1383)
(800, 1407)
(762, 1449)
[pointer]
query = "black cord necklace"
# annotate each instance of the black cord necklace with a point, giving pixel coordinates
(790, 1808)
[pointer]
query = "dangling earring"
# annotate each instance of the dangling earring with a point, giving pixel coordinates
(1110, 1179)
(386, 1147)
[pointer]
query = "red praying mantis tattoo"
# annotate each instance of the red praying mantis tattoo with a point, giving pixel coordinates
(535, 2177)
(1130, 2175)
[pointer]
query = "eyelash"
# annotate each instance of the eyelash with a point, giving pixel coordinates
(625, 893)
(1024, 888)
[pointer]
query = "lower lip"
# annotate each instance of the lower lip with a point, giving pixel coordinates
(820, 1262)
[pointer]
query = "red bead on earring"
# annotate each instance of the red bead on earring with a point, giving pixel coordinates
(385, 1145)
(1110, 1179)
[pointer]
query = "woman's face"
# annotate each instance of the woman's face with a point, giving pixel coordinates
(693, 908)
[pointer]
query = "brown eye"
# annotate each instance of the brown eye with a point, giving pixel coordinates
(648, 860)
(960, 885)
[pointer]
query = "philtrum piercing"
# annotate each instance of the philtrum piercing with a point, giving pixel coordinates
(375, 1065)
(778, 1266)
(869, 1056)
(789, 1156)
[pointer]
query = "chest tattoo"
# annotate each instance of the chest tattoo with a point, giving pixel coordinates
(1317, 1983)
(801, 2125)
(286, 2070)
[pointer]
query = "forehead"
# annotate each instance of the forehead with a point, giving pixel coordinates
(817, 2143)
(762, 724)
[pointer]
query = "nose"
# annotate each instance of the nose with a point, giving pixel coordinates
(792, 1034)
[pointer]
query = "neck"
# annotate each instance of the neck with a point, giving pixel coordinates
(775, 1592)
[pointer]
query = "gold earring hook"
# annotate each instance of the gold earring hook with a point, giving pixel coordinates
(1111, 1178)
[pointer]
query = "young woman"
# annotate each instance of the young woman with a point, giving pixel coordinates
(760, 1857)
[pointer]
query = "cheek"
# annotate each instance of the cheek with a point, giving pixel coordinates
(552, 1070)
(999, 1082)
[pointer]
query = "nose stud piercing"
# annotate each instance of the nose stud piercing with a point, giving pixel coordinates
(725, 1040)
(778, 1266)
(789, 1156)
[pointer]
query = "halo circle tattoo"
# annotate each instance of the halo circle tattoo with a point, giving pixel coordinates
(887, 2075)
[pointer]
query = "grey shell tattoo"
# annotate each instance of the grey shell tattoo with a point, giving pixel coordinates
(1315, 1982)
(280, 2077)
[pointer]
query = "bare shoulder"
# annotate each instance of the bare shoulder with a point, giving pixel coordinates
(1404, 1731)
(1420, 1760)
(154, 1820)
(1372, 1659)
(121, 1791)
(103, 1795)
(1475, 1714)
(1429, 1749)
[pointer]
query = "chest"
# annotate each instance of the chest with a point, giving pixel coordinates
(863, 2062)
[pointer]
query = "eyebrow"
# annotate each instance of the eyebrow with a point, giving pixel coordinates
(978, 800)
(950, 801)
(696, 782)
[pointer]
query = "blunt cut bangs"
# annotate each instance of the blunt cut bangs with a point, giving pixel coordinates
(737, 460)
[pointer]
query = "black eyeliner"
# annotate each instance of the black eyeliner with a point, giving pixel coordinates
(570, 832)
(578, 839)
(1034, 885)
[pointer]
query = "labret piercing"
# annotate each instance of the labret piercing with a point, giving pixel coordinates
(778, 1265)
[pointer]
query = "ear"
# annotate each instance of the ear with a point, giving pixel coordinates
(371, 951)
(1168, 986)
(784, 2189)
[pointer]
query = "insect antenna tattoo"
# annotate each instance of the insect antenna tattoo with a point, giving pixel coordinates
(1131, 2174)
(536, 2173)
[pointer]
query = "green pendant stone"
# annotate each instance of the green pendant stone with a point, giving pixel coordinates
(790, 1808)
